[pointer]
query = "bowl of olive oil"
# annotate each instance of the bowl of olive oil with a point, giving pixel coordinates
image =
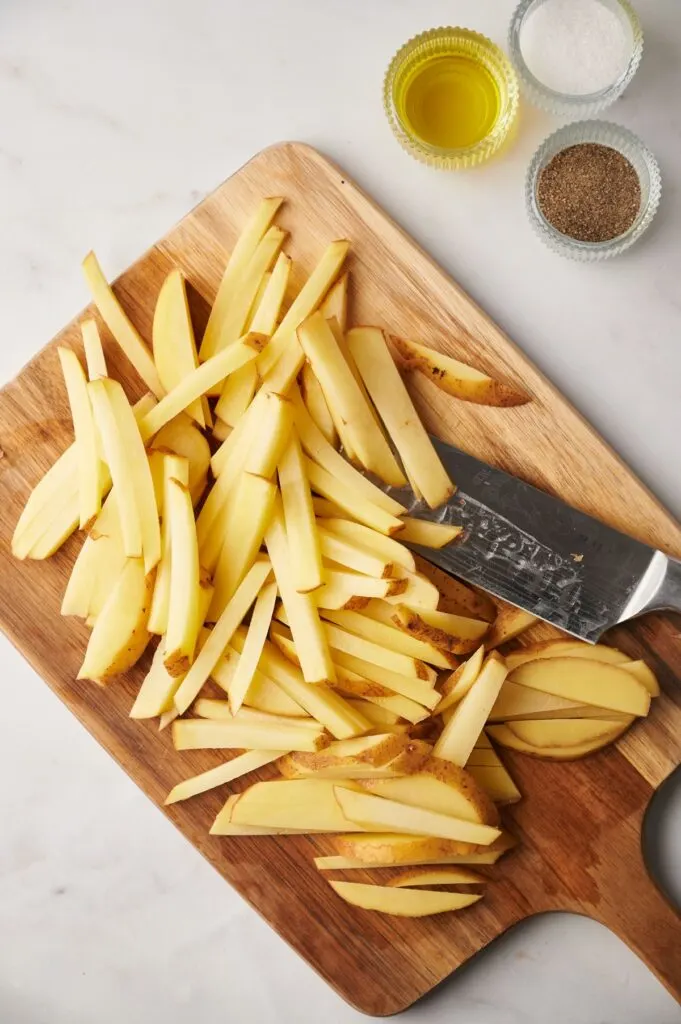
(451, 97)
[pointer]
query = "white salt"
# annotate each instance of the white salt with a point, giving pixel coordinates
(576, 46)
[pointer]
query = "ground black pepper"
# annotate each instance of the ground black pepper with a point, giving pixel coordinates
(589, 192)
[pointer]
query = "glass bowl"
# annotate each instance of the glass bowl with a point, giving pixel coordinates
(411, 58)
(638, 155)
(575, 104)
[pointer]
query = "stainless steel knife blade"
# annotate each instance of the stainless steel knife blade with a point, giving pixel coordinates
(538, 553)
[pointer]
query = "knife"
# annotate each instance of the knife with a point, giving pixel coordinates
(538, 553)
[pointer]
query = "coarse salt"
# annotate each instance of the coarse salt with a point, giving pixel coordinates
(576, 46)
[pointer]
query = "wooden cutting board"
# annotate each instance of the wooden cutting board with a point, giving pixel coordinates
(580, 823)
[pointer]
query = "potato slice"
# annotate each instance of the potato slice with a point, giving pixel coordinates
(509, 623)
(248, 519)
(461, 732)
(442, 787)
(335, 305)
(204, 734)
(224, 826)
(243, 251)
(428, 534)
(183, 597)
(173, 341)
(94, 353)
(301, 527)
(120, 635)
(308, 632)
(496, 782)
(236, 768)
(394, 849)
(122, 329)
(375, 812)
(457, 685)
(253, 646)
(307, 300)
(99, 563)
(645, 675)
(396, 409)
(221, 635)
(89, 477)
(329, 709)
(586, 682)
(402, 902)
(437, 876)
(515, 701)
(456, 378)
(565, 649)
(504, 735)
(343, 394)
(569, 732)
(199, 381)
(387, 636)
(373, 540)
(301, 804)
(182, 437)
(313, 396)
(454, 633)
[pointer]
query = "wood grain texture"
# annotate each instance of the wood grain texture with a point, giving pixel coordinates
(580, 823)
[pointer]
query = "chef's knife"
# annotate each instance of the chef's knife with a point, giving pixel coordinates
(540, 554)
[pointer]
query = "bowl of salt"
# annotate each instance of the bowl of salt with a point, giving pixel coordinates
(575, 56)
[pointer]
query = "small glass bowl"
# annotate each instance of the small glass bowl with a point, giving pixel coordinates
(638, 155)
(577, 105)
(447, 42)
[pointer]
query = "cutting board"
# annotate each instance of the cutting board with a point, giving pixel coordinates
(580, 823)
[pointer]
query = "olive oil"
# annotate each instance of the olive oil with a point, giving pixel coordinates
(450, 102)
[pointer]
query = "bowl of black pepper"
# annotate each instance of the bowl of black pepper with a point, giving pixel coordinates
(592, 189)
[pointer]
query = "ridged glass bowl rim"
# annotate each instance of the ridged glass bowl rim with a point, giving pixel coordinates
(607, 134)
(579, 105)
(466, 156)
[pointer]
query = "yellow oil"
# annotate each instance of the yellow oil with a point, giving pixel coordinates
(450, 102)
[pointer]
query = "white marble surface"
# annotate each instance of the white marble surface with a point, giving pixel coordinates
(115, 119)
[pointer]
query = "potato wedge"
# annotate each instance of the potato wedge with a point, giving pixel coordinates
(375, 812)
(89, 477)
(437, 876)
(204, 734)
(402, 902)
(299, 518)
(394, 849)
(313, 396)
(461, 732)
(587, 682)
(235, 768)
(497, 783)
(387, 636)
(301, 804)
(509, 623)
(457, 685)
(565, 649)
(243, 251)
(221, 635)
(253, 646)
(183, 625)
(504, 735)
(123, 331)
(120, 635)
(454, 633)
(456, 378)
(173, 341)
(428, 534)
(343, 394)
(395, 407)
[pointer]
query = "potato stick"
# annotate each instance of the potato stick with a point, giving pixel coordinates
(272, 437)
(316, 405)
(199, 381)
(236, 317)
(319, 449)
(307, 629)
(183, 605)
(237, 394)
(243, 251)
(405, 686)
(462, 731)
(221, 635)
(173, 341)
(355, 533)
(307, 300)
(205, 734)
(335, 305)
(352, 556)
(299, 517)
(396, 409)
(343, 393)
(268, 309)
(89, 489)
(239, 766)
(102, 553)
(349, 590)
(253, 647)
(173, 468)
(356, 505)
(122, 329)
(389, 637)
(94, 353)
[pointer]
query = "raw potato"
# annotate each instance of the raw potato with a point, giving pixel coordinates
(461, 732)
(564, 649)
(438, 876)
(457, 685)
(402, 902)
(413, 689)
(388, 393)
(375, 751)
(364, 537)
(456, 378)
(94, 353)
(122, 329)
(236, 768)
(99, 563)
(516, 701)
(639, 670)
(299, 518)
(420, 593)
(351, 591)
(313, 396)
(353, 504)
(497, 783)
(299, 766)
(374, 812)
(454, 633)
(173, 339)
(587, 682)
(89, 476)
(428, 534)
(505, 735)
(343, 393)
(387, 636)
(203, 733)
(183, 625)
(509, 623)
(307, 805)
(253, 646)
(393, 849)
(120, 635)
(569, 732)
(361, 560)
(335, 305)
(183, 438)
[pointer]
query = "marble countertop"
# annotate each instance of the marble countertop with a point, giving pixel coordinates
(116, 119)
